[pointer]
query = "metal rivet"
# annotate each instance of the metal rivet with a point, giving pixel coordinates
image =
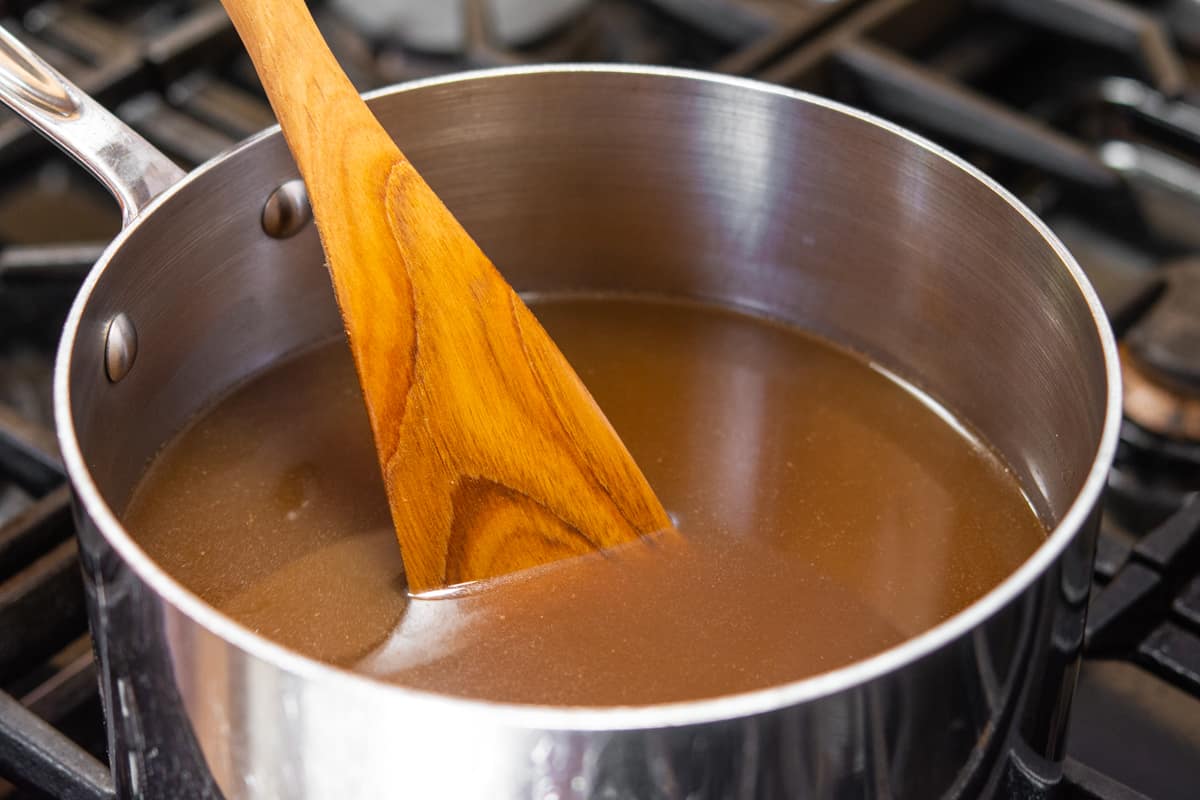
(120, 347)
(287, 210)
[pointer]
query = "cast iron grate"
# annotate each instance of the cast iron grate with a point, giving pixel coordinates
(1084, 108)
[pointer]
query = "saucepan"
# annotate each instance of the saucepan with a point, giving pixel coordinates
(599, 179)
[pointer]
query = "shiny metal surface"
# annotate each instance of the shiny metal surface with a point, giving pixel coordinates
(122, 160)
(287, 210)
(120, 347)
(612, 180)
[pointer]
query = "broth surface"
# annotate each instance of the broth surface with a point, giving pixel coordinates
(827, 511)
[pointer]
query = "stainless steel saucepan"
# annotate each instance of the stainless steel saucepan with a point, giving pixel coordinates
(619, 179)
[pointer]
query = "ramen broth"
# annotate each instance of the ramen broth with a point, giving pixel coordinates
(827, 511)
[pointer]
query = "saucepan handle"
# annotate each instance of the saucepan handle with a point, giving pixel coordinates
(129, 166)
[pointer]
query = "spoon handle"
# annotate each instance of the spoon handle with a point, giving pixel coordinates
(300, 74)
(347, 160)
(494, 456)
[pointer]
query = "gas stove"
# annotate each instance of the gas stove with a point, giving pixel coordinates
(1088, 110)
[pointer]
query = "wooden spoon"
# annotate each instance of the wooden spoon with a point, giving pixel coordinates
(494, 455)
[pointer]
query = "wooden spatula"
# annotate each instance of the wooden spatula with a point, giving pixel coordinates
(494, 455)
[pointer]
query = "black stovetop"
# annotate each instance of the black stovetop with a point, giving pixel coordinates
(1089, 110)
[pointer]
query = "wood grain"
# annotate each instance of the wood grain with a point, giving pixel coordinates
(494, 455)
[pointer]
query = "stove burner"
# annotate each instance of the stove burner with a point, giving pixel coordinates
(1154, 404)
(1160, 358)
(1167, 340)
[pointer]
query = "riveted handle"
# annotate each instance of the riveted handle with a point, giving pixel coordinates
(128, 166)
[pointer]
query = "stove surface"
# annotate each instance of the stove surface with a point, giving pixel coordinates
(1088, 110)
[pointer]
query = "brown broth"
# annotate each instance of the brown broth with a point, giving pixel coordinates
(828, 512)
